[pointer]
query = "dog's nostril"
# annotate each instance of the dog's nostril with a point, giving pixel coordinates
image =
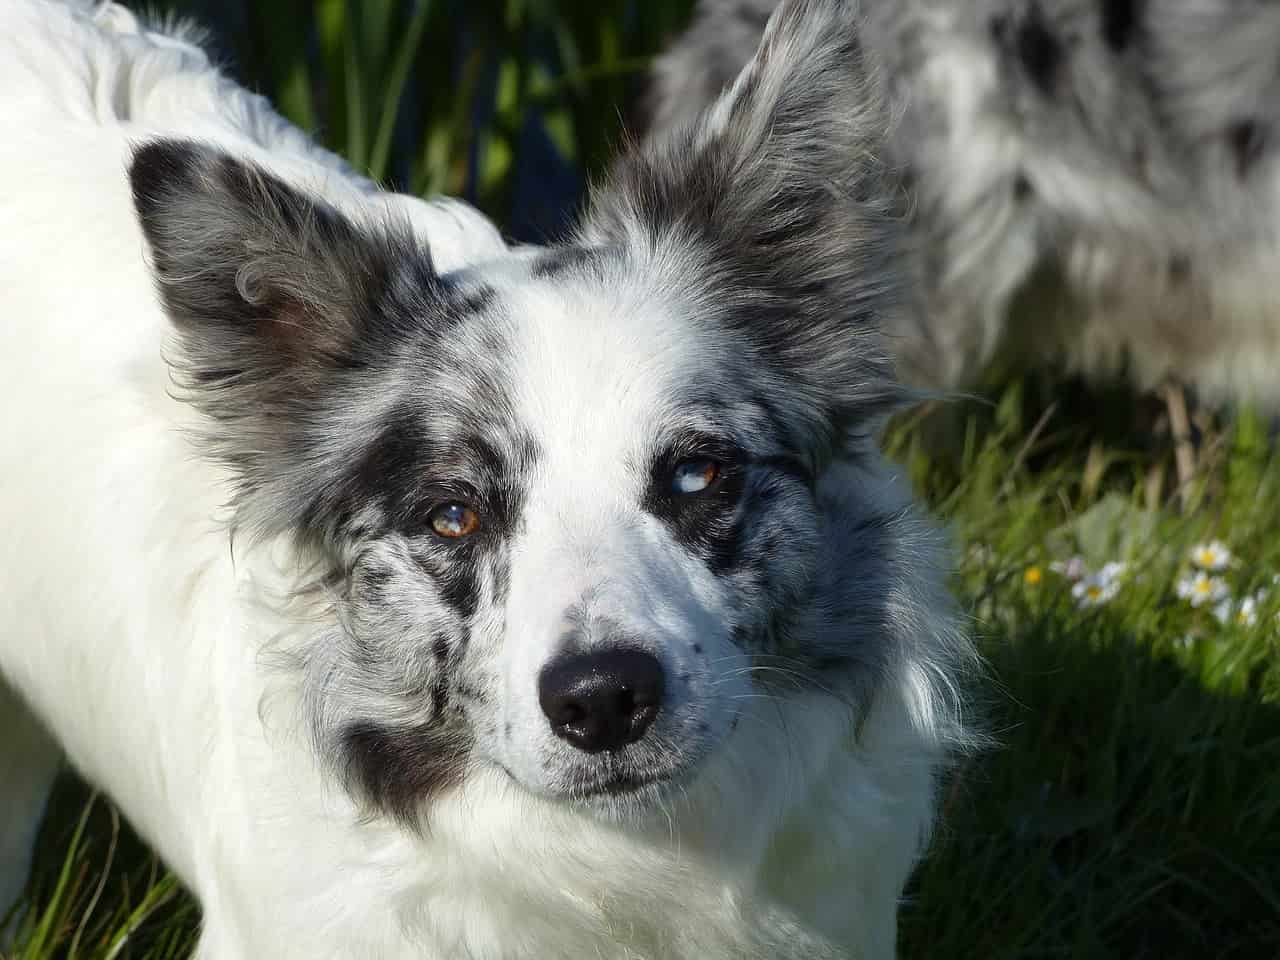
(601, 701)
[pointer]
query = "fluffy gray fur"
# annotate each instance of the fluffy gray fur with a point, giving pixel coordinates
(1095, 184)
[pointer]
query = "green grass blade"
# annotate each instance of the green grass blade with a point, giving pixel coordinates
(406, 51)
(353, 76)
(55, 909)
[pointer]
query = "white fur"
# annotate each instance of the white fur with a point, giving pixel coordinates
(142, 641)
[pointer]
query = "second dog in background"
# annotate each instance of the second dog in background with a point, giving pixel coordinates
(1091, 185)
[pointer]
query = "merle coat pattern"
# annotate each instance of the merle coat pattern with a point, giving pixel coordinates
(1093, 183)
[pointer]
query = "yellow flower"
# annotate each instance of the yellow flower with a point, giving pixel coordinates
(1032, 576)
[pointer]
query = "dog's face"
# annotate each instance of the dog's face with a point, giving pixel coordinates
(569, 505)
(584, 510)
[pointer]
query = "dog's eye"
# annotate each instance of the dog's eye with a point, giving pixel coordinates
(454, 520)
(695, 475)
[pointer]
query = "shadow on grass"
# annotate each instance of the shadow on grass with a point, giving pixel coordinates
(1128, 812)
(99, 889)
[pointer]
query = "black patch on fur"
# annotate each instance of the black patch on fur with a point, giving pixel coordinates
(440, 653)
(1248, 141)
(503, 495)
(155, 170)
(396, 770)
(708, 523)
(373, 581)
(1179, 267)
(1039, 50)
(459, 582)
(1022, 189)
(471, 692)
(455, 569)
(791, 466)
(1120, 21)
(401, 471)
(472, 300)
(388, 472)
(560, 260)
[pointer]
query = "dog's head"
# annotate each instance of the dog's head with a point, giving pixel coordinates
(575, 508)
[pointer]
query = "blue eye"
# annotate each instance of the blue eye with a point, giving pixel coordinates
(454, 520)
(695, 475)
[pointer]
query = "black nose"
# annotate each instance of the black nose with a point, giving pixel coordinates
(601, 701)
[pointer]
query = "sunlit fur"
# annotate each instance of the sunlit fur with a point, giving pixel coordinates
(239, 379)
(1094, 184)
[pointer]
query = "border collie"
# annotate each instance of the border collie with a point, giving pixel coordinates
(416, 597)
(1094, 184)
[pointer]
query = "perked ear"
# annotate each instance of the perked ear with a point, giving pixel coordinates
(273, 293)
(780, 191)
(262, 280)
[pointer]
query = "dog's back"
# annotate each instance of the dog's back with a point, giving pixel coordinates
(1094, 184)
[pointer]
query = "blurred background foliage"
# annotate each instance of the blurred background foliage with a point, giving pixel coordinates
(510, 104)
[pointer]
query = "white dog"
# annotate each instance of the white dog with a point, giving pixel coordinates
(415, 597)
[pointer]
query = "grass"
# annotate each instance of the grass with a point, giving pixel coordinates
(503, 102)
(1132, 808)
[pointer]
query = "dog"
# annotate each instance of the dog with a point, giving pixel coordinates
(416, 596)
(1093, 187)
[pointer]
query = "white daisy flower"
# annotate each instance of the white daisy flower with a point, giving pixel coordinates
(1094, 590)
(1073, 569)
(1112, 571)
(1243, 614)
(1200, 588)
(1212, 556)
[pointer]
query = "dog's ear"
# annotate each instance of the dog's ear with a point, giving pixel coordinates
(779, 195)
(267, 285)
(275, 295)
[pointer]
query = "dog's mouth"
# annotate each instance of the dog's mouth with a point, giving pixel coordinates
(617, 785)
(629, 779)
(634, 781)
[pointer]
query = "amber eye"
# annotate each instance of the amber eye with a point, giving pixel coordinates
(454, 520)
(694, 476)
